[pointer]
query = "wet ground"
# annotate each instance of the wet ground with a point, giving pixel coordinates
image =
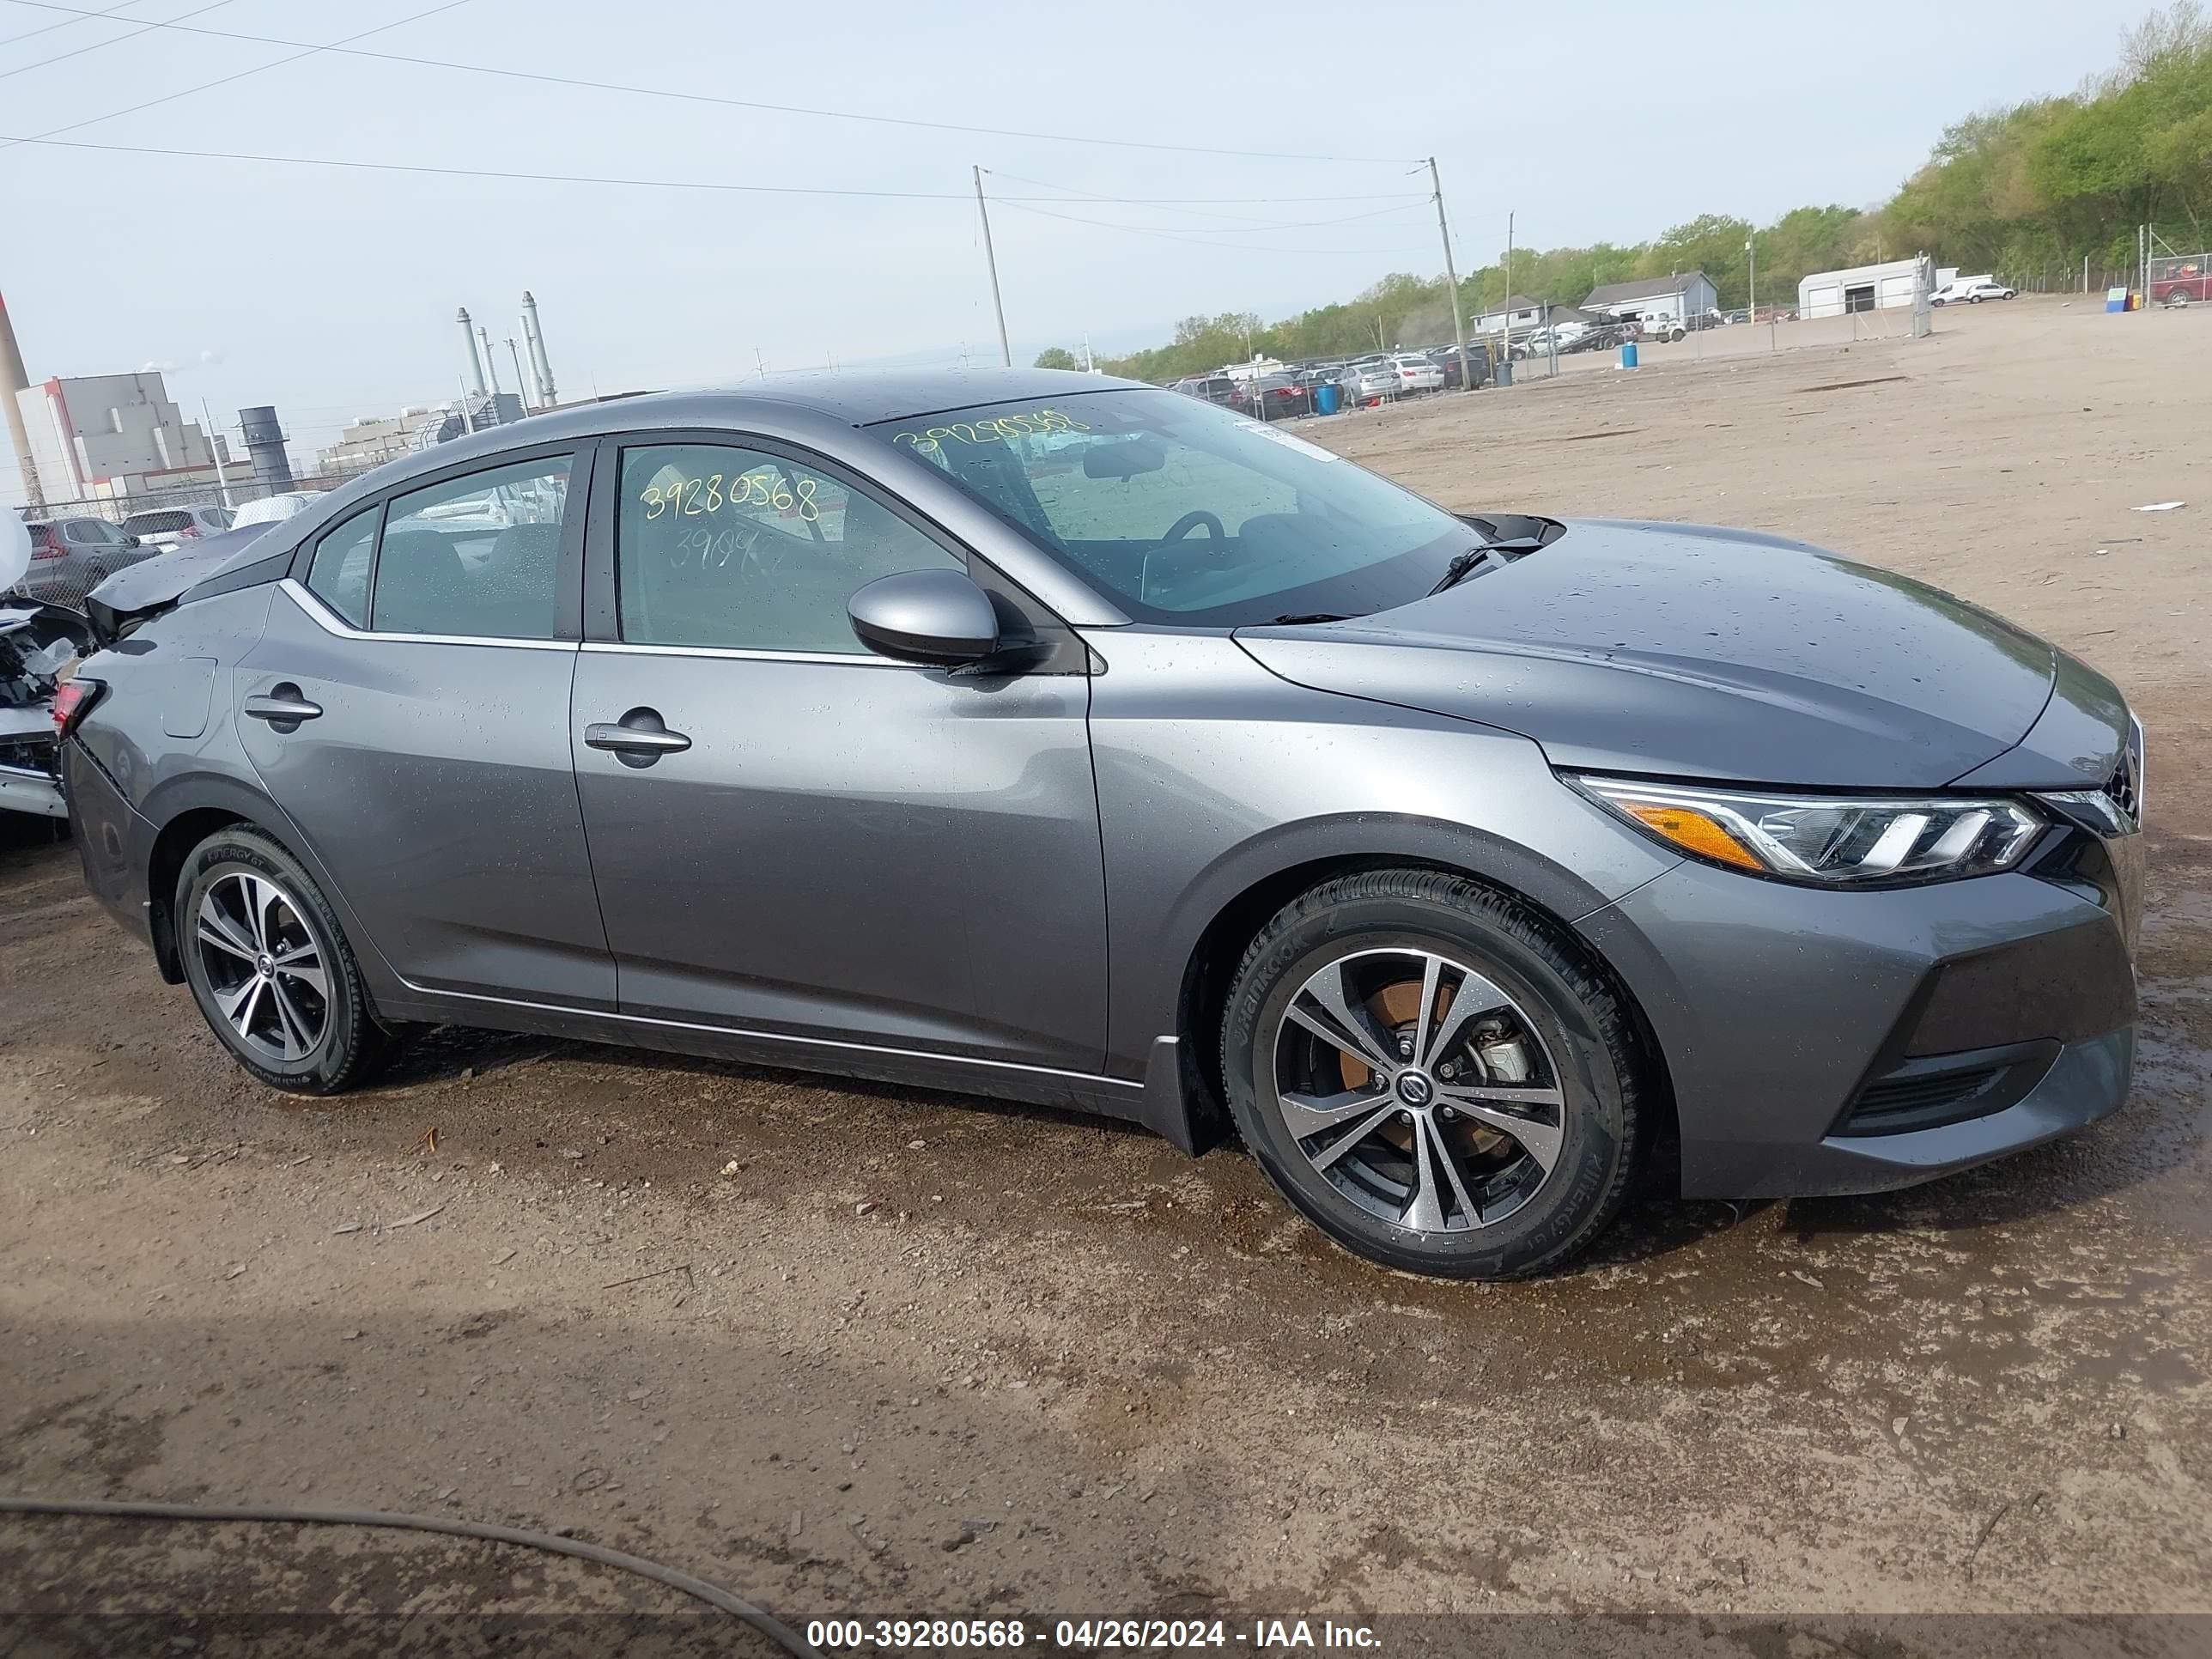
(856, 1349)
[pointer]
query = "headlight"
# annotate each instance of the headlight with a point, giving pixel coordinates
(1833, 838)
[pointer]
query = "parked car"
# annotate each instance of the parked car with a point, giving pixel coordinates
(162, 528)
(1273, 397)
(1364, 383)
(1208, 388)
(1418, 374)
(275, 509)
(1446, 358)
(2181, 282)
(71, 556)
(38, 645)
(1212, 779)
(1970, 290)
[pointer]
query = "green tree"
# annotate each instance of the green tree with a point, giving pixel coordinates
(1057, 358)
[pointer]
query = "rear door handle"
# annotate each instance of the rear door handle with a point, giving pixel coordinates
(282, 706)
(639, 739)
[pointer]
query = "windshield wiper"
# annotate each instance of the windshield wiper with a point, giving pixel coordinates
(1462, 565)
(1297, 617)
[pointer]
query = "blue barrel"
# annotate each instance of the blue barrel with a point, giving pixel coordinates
(1628, 354)
(1326, 397)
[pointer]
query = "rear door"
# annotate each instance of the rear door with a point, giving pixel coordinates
(407, 707)
(822, 845)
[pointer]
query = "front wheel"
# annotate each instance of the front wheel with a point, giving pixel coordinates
(1938, 304)
(270, 969)
(1433, 1077)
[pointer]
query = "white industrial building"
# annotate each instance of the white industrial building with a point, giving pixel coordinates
(112, 437)
(1657, 302)
(1518, 313)
(1861, 288)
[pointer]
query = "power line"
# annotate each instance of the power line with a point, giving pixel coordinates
(484, 173)
(509, 176)
(1191, 203)
(224, 81)
(341, 49)
(1254, 228)
(1197, 241)
(67, 22)
(97, 46)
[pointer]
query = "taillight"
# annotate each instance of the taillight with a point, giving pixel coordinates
(73, 701)
(49, 545)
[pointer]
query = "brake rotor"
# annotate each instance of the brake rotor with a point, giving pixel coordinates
(1397, 1008)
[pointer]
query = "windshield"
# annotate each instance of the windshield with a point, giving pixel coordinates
(1184, 513)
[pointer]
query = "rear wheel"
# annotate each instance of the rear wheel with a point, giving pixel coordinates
(269, 968)
(1432, 1076)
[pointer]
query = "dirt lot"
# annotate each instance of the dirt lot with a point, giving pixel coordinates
(914, 1353)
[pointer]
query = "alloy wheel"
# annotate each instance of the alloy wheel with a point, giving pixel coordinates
(1418, 1089)
(266, 967)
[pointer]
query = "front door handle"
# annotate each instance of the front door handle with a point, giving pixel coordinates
(282, 706)
(639, 739)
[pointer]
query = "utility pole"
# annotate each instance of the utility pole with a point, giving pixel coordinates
(1751, 283)
(215, 449)
(991, 258)
(514, 354)
(491, 363)
(14, 379)
(1451, 277)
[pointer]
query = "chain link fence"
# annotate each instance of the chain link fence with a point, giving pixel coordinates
(77, 544)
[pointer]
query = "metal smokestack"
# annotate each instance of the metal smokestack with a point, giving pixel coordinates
(490, 362)
(540, 368)
(13, 379)
(476, 363)
(264, 445)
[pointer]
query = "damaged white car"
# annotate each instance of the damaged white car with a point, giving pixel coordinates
(39, 644)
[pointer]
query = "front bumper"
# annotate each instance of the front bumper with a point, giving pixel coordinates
(1831, 1042)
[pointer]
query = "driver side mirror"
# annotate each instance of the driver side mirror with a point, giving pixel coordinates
(935, 617)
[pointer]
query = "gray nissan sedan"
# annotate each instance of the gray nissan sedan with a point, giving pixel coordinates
(1054, 738)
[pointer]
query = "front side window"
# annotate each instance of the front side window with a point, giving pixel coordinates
(1184, 513)
(338, 574)
(718, 546)
(477, 556)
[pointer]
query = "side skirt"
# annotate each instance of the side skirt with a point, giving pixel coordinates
(1157, 1104)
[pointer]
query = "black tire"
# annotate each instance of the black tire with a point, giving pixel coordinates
(1938, 304)
(1676, 338)
(1587, 1040)
(1973, 299)
(347, 1046)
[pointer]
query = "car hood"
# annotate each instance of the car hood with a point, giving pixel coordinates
(1689, 651)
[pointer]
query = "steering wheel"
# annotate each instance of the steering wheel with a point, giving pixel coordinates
(1190, 522)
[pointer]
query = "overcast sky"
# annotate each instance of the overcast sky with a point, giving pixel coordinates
(331, 292)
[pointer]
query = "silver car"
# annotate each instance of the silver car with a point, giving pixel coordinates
(1047, 737)
(164, 528)
(71, 556)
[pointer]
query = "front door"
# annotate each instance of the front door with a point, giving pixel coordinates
(407, 708)
(795, 837)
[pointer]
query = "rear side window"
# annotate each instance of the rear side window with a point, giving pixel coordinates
(477, 556)
(338, 576)
(718, 546)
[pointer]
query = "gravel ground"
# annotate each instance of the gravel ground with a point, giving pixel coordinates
(863, 1349)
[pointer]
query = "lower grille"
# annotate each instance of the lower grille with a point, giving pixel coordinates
(1942, 1089)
